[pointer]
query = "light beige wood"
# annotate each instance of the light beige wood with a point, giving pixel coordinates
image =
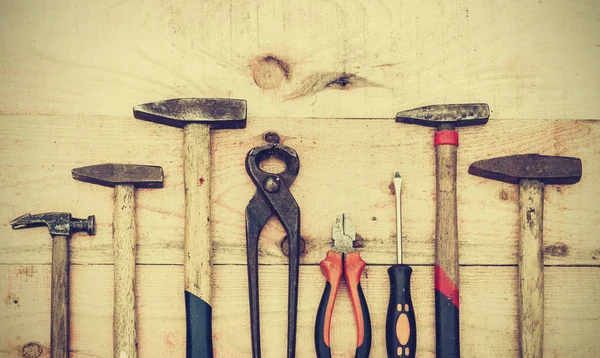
(59, 302)
(358, 184)
(446, 227)
(343, 59)
(489, 310)
(124, 241)
(531, 268)
(197, 238)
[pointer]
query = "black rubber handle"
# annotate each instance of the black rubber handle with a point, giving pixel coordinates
(199, 327)
(322, 348)
(400, 325)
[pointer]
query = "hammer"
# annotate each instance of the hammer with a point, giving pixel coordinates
(531, 172)
(124, 178)
(61, 226)
(197, 116)
(445, 118)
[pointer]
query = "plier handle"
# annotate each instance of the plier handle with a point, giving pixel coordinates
(273, 197)
(343, 259)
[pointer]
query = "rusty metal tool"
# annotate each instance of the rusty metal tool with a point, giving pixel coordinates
(531, 172)
(343, 259)
(197, 116)
(445, 118)
(273, 197)
(124, 178)
(61, 227)
(400, 324)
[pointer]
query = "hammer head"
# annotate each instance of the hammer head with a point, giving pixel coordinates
(514, 168)
(58, 223)
(141, 176)
(459, 115)
(219, 113)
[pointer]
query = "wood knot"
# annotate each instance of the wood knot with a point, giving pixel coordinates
(32, 350)
(269, 72)
(559, 249)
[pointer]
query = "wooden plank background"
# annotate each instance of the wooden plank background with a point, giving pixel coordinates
(70, 73)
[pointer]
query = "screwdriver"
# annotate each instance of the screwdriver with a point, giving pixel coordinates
(400, 324)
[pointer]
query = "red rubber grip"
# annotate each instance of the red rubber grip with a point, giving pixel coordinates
(354, 267)
(332, 270)
(445, 137)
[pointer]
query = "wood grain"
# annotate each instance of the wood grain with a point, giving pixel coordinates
(326, 186)
(124, 241)
(328, 58)
(60, 297)
(197, 238)
(489, 319)
(531, 268)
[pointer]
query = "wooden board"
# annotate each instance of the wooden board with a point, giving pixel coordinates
(70, 73)
(489, 316)
(340, 172)
(312, 58)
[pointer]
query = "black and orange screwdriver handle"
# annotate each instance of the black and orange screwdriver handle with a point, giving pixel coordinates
(332, 268)
(400, 324)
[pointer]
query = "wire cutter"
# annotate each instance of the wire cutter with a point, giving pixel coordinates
(343, 258)
(273, 197)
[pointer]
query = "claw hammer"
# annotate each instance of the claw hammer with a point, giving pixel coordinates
(446, 118)
(196, 116)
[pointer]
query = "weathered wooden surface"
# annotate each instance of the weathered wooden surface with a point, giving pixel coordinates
(302, 58)
(341, 171)
(70, 73)
(488, 305)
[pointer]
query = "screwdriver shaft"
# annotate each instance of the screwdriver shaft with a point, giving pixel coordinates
(398, 191)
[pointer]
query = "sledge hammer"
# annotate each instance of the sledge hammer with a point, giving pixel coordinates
(445, 118)
(124, 178)
(530, 172)
(196, 116)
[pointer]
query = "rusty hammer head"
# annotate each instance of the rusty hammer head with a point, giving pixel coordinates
(218, 113)
(141, 176)
(446, 116)
(59, 224)
(514, 168)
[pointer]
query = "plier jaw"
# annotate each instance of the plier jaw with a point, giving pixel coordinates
(343, 259)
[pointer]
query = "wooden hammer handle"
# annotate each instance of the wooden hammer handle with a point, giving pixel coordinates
(197, 240)
(446, 254)
(124, 241)
(59, 307)
(531, 264)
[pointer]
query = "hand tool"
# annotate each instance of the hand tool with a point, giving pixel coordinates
(400, 324)
(124, 178)
(531, 172)
(197, 116)
(445, 118)
(273, 197)
(343, 259)
(61, 227)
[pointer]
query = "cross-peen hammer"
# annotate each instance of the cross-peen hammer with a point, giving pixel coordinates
(531, 172)
(196, 116)
(124, 178)
(445, 118)
(61, 226)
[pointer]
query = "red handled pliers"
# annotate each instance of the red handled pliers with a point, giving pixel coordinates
(343, 258)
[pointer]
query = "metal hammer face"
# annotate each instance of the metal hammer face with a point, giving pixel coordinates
(141, 176)
(454, 115)
(61, 224)
(219, 113)
(514, 168)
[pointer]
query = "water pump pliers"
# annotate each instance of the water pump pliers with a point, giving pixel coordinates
(343, 258)
(273, 197)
